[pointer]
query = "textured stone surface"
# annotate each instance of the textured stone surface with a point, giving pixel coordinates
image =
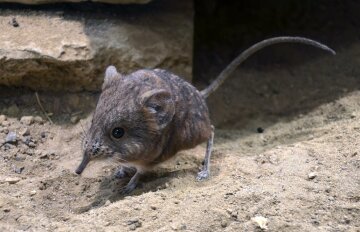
(54, 1)
(69, 49)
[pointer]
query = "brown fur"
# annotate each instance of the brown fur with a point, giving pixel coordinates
(147, 140)
(160, 113)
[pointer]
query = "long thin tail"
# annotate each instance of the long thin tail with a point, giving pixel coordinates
(256, 47)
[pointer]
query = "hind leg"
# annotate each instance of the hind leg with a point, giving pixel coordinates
(205, 172)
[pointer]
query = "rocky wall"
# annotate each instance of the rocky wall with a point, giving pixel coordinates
(69, 48)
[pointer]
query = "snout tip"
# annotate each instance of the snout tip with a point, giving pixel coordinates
(78, 171)
(83, 164)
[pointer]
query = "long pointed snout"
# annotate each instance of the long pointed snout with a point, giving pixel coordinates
(84, 162)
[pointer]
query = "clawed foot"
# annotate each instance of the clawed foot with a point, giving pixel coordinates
(203, 175)
(132, 184)
(129, 188)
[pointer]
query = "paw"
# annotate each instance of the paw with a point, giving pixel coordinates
(128, 188)
(203, 175)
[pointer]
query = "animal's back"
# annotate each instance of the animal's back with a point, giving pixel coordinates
(191, 123)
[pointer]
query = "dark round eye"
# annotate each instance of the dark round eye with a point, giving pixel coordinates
(118, 132)
(157, 108)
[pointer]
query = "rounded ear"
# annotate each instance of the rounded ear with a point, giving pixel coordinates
(159, 105)
(110, 75)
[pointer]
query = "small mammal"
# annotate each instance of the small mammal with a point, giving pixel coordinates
(146, 117)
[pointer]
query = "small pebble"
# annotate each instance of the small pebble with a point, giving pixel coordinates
(178, 226)
(2, 118)
(25, 131)
(43, 134)
(27, 120)
(312, 175)
(132, 227)
(14, 23)
(32, 144)
(19, 170)
(44, 156)
(224, 224)
(134, 223)
(107, 223)
(5, 130)
(10, 180)
(38, 119)
(261, 222)
(74, 119)
(11, 137)
(33, 192)
(5, 123)
(107, 203)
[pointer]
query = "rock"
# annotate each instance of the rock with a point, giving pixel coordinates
(133, 224)
(11, 137)
(43, 134)
(32, 2)
(27, 120)
(261, 222)
(26, 140)
(31, 144)
(5, 130)
(25, 131)
(74, 119)
(5, 123)
(178, 226)
(38, 119)
(77, 61)
(132, 221)
(107, 203)
(224, 223)
(13, 110)
(19, 170)
(33, 192)
(44, 156)
(10, 180)
(312, 175)
(2, 118)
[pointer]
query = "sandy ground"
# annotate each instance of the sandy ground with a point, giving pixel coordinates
(301, 174)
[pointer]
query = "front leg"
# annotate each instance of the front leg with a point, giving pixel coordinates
(132, 183)
(124, 172)
(205, 172)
